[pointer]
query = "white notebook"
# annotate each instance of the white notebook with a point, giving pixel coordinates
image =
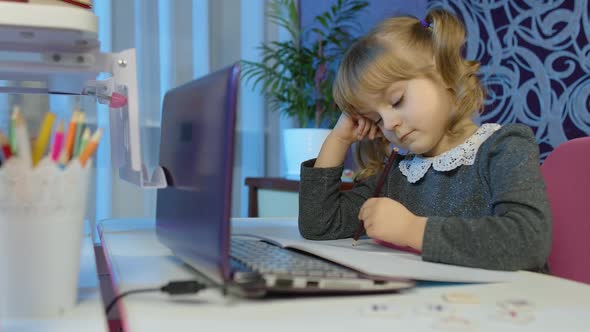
(368, 257)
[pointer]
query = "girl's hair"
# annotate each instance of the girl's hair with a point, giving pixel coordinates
(403, 48)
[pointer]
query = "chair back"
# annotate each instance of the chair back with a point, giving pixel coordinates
(567, 175)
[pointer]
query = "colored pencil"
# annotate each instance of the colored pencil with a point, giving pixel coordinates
(11, 130)
(78, 3)
(78, 136)
(43, 137)
(85, 139)
(23, 142)
(66, 155)
(6, 150)
(90, 147)
(58, 141)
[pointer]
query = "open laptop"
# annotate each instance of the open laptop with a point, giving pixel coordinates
(193, 212)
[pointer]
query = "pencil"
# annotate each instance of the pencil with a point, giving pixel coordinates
(12, 129)
(43, 137)
(78, 136)
(6, 150)
(90, 147)
(58, 141)
(377, 192)
(71, 136)
(22, 140)
(84, 140)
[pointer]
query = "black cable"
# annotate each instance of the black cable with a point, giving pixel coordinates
(172, 288)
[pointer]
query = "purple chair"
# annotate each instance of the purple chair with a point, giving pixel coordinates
(567, 175)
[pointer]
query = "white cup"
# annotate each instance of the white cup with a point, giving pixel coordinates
(301, 144)
(41, 227)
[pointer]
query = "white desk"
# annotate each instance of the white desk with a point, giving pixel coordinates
(88, 315)
(138, 260)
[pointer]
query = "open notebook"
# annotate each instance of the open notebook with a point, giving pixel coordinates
(368, 257)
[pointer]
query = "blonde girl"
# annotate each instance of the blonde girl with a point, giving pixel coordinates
(462, 194)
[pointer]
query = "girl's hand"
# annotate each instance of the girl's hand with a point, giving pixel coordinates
(388, 220)
(351, 129)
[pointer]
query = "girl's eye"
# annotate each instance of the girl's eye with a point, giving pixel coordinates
(398, 102)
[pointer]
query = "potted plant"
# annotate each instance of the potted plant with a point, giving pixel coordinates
(296, 75)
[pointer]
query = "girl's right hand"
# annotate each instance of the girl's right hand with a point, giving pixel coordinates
(350, 129)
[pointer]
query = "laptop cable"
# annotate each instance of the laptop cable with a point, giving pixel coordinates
(172, 288)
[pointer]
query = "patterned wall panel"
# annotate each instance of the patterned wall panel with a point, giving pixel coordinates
(536, 63)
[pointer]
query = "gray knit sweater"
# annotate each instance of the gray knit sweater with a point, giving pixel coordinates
(493, 214)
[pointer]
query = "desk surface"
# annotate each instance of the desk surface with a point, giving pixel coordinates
(88, 315)
(138, 260)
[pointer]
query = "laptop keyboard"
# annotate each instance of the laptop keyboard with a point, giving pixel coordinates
(266, 258)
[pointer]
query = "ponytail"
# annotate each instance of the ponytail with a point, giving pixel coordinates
(448, 38)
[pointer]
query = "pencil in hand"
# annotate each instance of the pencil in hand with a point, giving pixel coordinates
(376, 192)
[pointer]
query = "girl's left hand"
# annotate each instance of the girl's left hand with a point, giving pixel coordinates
(388, 220)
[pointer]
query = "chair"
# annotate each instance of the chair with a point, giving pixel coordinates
(567, 176)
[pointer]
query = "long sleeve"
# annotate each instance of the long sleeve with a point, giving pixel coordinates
(325, 212)
(517, 234)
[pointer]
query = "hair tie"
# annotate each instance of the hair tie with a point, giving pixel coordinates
(425, 24)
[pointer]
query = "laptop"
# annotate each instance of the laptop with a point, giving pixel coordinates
(197, 147)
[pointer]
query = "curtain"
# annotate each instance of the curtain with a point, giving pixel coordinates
(176, 41)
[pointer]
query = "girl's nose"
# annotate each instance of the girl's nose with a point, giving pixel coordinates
(391, 121)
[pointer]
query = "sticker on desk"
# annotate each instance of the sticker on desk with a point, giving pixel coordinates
(454, 323)
(514, 317)
(435, 309)
(384, 310)
(461, 298)
(516, 304)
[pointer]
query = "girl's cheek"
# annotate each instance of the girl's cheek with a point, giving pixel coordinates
(386, 133)
(390, 137)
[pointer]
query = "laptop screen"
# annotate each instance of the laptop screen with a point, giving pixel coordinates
(196, 153)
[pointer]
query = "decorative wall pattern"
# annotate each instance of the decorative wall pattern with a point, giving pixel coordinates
(535, 59)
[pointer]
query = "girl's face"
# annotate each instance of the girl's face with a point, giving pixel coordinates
(414, 115)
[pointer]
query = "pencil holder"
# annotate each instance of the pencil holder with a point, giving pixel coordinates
(42, 214)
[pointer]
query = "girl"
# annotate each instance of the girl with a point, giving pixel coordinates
(463, 194)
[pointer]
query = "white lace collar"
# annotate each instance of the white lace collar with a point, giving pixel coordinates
(414, 167)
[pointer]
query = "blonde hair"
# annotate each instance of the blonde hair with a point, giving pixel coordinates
(401, 48)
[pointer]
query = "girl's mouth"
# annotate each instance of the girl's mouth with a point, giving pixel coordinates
(405, 135)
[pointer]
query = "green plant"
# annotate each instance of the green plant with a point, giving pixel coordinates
(296, 75)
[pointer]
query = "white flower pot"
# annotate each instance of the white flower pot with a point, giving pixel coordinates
(299, 145)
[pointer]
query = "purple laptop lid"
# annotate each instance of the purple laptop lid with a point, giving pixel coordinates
(196, 153)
